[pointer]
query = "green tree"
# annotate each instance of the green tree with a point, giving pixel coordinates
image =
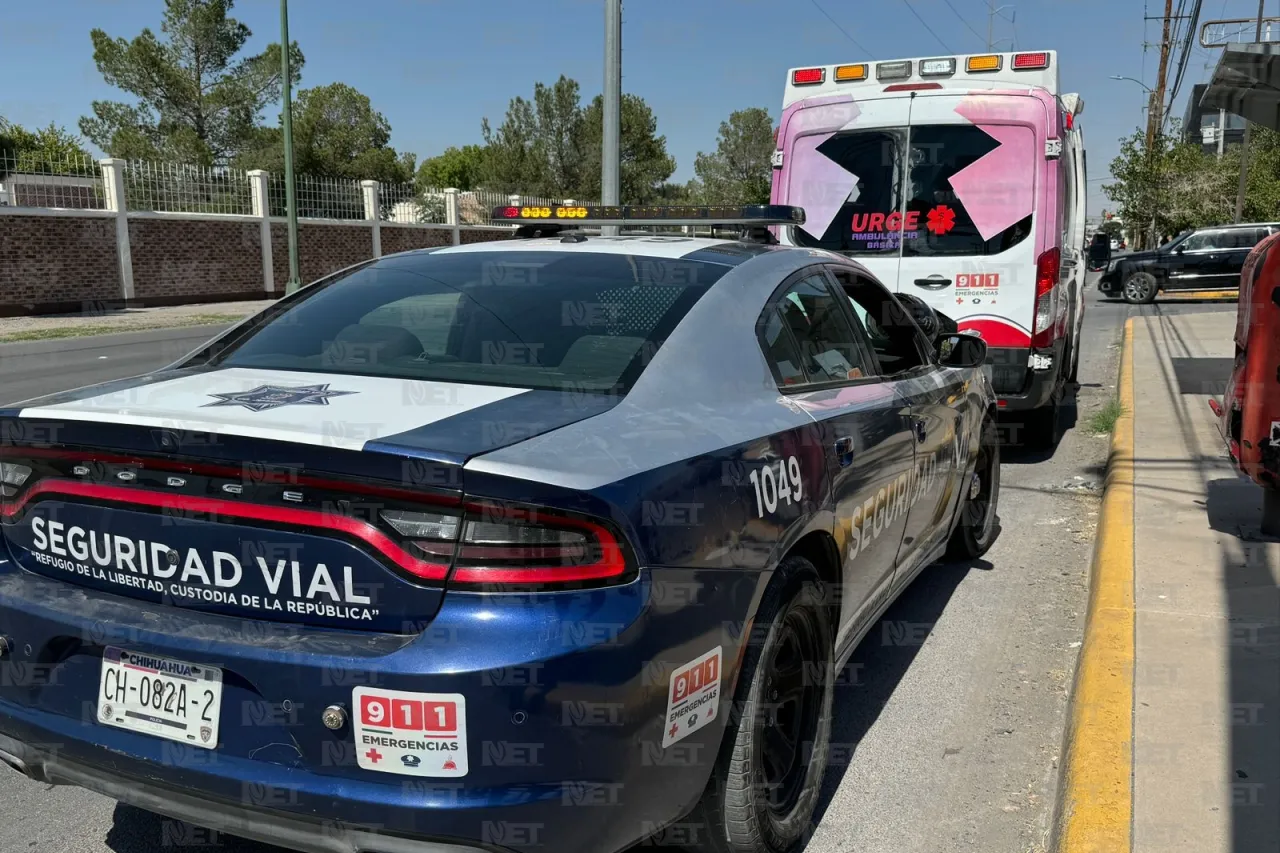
(49, 150)
(513, 160)
(536, 149)
(1112, 228)
(336, 133)
(740, 169)
(645, 164)
(550, 147)
(456, 167)
(197, 102)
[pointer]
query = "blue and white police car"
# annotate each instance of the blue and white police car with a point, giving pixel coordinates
(553, 543)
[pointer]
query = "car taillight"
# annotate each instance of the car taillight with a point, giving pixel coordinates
(499, 547)
(1047, 292)
(12, 477)
(507, 547)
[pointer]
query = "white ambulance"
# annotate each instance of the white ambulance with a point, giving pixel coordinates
(961, 180)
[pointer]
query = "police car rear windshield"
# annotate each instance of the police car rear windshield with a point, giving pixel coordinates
(578, 321)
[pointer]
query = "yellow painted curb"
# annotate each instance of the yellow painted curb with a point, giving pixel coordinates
(1196, 295)
(1095, 799)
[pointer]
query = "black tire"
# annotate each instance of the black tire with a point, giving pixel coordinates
(979, 522)
(1073, 375)
(748, 807)
(1140, 288)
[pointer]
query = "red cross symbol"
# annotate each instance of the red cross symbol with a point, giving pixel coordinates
(675, 727)
(959, 300)
(373, 755)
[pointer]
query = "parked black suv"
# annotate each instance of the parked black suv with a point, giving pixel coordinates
(1203, 259)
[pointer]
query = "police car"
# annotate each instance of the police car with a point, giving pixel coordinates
(551, 543)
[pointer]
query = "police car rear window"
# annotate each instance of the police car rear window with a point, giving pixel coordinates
(546, 320)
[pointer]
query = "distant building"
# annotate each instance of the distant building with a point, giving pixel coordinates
(1202, 125)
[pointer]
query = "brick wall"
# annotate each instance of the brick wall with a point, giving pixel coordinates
(57, 263)
(197, 258)
(69, 263)
(404, 239)
(322, 249)
(469, 236)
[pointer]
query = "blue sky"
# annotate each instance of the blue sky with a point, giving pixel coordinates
(434, 68)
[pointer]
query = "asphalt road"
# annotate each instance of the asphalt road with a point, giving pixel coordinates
(948, 721)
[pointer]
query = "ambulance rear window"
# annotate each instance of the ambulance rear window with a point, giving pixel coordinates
(954, 204)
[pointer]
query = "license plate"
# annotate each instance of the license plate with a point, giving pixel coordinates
(158, 696)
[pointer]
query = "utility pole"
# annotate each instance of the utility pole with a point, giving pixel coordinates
(1155, 108)
(1244, 149)
(1222, 132)
(290, 200)
(992, 12)
(610, 159)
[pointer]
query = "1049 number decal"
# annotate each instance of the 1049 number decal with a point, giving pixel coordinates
(775, 483)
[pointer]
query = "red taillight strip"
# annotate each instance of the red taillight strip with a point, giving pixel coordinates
(612, 562)
(228, 471)
(361, 530)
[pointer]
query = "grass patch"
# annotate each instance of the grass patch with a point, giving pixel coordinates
(1104, 420)
(132, 325)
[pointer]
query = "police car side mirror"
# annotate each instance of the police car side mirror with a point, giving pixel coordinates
(961, 351)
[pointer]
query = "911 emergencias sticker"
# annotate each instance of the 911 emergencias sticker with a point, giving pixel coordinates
(412, 734)
(693, 697)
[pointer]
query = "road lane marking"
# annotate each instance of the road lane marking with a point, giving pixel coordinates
(1095, 799)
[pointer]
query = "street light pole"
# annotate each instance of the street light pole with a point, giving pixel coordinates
(610, 155)
(291, 202)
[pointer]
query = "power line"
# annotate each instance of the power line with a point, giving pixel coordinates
(1186, 54)
(924, 24)
(836, 24)
(963, 21)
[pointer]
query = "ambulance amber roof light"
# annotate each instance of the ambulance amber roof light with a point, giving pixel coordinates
(1030, 61)
(808, 76)
(845, 73)
(988, 62)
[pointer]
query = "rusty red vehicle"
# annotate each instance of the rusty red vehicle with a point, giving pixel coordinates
(1249, 413)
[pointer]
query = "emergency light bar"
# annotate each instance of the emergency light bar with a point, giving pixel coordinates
(631, 214)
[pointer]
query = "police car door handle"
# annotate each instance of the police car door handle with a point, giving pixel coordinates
(844, 450)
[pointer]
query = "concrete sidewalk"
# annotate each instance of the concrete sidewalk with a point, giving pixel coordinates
(105, 322)
(1174, 741)
(1206, 757)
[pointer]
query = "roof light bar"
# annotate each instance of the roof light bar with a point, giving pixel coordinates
(987, 62)
(632, 214)
(808, 76)
(938, 67)
(845, 73)
(1030, 61)
(893, 70)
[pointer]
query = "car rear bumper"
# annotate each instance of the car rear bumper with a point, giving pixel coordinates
(309, 834)
(566, 697)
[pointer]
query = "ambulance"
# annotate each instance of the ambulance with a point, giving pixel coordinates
(960, 180)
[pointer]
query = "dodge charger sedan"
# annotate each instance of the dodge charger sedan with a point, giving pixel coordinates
(551, 543)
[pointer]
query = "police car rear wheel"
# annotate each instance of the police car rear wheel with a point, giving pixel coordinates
(765, 786)
(979, 522)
